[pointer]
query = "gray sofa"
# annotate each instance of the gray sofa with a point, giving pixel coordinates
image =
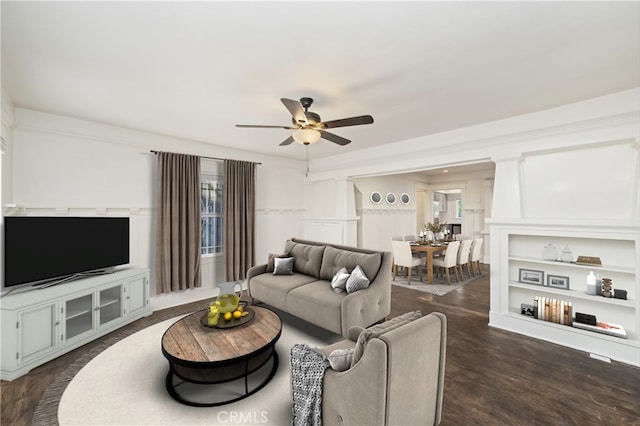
(308, 294)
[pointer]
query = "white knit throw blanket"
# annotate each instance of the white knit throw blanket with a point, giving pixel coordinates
(307, 373)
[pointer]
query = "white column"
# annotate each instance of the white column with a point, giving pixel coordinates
(507, 189)
(346, 210)
(345, 198)
(488, 198)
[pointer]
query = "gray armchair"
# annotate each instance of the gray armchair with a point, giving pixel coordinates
(398, 380)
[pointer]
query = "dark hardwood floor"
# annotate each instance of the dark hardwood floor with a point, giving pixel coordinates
(493, 377)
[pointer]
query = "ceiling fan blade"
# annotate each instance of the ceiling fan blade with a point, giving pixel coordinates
(287, 141)
(295, 109)
(334, 138)
(265, 126)
(343, 122)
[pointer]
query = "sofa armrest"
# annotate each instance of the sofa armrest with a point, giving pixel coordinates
(366, 307)
(358, 395)
(354, 332)
(254, 271)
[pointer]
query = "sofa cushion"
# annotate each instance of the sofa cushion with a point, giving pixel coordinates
(339, 281)
(271, 260)
(317, 303)
(283, 266)
(334, 259)
(357, 281)
(272, 289)
(308, 258)
(378, 330)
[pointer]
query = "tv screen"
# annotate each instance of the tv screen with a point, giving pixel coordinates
(44, 248)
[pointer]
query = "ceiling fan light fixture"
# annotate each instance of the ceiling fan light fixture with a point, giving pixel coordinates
(306, 136)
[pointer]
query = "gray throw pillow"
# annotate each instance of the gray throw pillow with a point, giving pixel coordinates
(340, 359)
(339, 281)
(283, 266)
(357, 280)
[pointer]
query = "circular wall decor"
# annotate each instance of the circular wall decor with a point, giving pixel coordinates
(375, 197)
(391, 198)
(405, 198)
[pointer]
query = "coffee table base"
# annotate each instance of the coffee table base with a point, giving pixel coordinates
(200, 381)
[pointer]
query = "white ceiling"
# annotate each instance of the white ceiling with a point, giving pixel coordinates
(194, 70)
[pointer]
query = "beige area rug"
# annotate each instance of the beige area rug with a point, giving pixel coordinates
(440, 287)
(125, 385)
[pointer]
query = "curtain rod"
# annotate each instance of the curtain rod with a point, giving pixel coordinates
(209, 158)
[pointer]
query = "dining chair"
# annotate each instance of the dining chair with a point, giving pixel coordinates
(397, 238)
(463, 257)
(449, 260)
(410, 237)
(402, 258)
(475, 256)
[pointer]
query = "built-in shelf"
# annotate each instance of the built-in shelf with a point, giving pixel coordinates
(574, 294)
(518, 244)
(630, 341)
(603, 268)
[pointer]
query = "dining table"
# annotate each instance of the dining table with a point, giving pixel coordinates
(429, 249)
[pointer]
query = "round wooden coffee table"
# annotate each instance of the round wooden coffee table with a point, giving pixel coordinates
(202, 355)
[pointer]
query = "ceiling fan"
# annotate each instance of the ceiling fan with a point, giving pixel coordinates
(308, 127)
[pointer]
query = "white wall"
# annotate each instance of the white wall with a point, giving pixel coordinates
(6, 166)
(66, 166)
(379, 222)
(592, 182)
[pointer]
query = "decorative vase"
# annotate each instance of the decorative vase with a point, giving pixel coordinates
(591, 284)
(566, 255)
(550, 252)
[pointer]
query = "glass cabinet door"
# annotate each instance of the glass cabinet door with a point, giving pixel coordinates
(110, 304)
(78, 315)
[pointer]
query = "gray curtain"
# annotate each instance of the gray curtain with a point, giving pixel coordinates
(239, 218)
(178, 233)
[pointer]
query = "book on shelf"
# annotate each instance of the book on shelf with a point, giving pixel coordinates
(604, 328)
(552, 310)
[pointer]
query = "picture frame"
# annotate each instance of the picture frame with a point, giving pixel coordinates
(531, 276)
(558, 281)
(391, 198)
(405, 198)
(375, 197)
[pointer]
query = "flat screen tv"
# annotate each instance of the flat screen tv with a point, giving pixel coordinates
(43, 249)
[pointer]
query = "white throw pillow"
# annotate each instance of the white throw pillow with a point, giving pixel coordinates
(357, 280)
(340, 359)
(339, 281)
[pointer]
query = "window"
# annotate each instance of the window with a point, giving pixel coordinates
(211, 213)
(458, 208)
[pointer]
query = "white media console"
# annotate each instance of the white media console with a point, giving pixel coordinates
(43, 323)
